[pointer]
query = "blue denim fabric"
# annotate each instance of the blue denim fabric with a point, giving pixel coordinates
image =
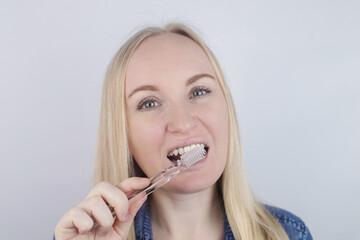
(293, 225)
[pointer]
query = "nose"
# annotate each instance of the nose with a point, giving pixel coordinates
(181, 120)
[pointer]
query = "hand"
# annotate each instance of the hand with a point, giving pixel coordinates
(93, 219)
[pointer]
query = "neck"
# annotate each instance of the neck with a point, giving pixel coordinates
(187, 216)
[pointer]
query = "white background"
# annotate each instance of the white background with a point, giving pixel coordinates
(293, 68)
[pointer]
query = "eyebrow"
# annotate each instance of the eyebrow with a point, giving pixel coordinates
(197, 77)
(143, 88)
(190, 81)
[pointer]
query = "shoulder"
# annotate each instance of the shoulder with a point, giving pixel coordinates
(294, 227)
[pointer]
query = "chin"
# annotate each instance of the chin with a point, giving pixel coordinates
(191, 183)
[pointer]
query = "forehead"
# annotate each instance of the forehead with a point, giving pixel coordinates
(167, 55)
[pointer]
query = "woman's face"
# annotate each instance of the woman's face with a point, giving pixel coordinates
(174, 100)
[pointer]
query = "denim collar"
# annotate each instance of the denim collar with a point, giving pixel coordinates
(143, 229)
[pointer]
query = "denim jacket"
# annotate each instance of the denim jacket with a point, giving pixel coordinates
(293, 225)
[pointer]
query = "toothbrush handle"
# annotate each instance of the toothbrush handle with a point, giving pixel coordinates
(187, 160)
(156, 182)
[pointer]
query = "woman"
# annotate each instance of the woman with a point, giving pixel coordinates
(164, 91)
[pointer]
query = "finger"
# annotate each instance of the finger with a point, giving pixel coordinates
(122, 224)
(122, 227)
(133, 184)
(74, 222)
(136, 205)
(113, 197)
(99, 211)
(130, 186)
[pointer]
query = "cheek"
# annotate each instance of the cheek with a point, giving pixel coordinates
(215, 118)
(143, 130)
(217, 123)
(145, 139)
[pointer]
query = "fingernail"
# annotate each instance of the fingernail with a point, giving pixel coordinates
(124, 216)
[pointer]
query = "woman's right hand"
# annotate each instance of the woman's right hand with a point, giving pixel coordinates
(79, 222)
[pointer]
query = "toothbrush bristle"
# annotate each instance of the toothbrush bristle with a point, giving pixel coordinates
(193, 156)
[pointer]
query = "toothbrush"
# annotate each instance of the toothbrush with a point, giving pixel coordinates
(187, 160)
(160, 179)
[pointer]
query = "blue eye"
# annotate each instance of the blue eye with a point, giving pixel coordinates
(147, 104)
(199, 91)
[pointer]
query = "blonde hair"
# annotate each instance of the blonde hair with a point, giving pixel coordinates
(248, 219)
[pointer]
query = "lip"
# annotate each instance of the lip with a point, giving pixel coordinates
(188, 142)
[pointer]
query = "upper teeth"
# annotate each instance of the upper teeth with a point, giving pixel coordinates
(182, 150)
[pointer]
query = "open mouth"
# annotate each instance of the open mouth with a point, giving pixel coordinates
(176, 153)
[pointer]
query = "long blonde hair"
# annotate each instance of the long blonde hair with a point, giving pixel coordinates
(248, 219)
